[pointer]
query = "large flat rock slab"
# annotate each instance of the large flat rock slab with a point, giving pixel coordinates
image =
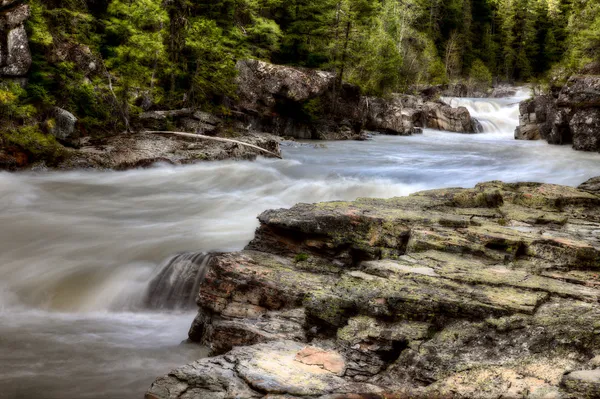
(277, 368)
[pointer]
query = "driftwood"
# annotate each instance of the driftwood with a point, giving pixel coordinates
(203, 137)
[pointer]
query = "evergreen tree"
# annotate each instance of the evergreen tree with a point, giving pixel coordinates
(138, 27)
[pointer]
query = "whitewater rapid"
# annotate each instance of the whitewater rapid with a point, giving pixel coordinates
(78, 250)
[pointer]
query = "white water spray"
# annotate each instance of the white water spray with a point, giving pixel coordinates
(496, 115)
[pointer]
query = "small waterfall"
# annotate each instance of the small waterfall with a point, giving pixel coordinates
(495, 115)
(177, 283)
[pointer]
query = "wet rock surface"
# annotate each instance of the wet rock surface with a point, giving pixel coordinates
(485, 292)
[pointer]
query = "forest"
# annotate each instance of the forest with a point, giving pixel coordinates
(109, 60)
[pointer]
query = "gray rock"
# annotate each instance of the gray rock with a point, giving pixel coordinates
(591, 186)
(186, 119)
(503, 91)
(277, 368)
(221, 333)
(16, 57)
(536, 120)
(583, 383)
(14, 17)
(207, 118)
(400, 115)
(585, 126)
(63, 127)
(443, 117)
(261, 85)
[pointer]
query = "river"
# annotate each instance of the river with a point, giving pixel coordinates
(78, 249)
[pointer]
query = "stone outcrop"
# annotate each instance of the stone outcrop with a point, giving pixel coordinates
(128, 151)
(297, 102)
(441, 116)
(570, 116)
(311, 104)
(400, 115)
(486, 292)
(536, 120)
(15, 57)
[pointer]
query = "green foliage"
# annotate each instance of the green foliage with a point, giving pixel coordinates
(301, 257)
(34, 142)
(182, 53)
(39, 32)
(213, 73)
(479, 74)
(138, 26)
(12, 106)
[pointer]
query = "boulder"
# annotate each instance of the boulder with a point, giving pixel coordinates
(441, 116)
(585, 127)
(400, 115)
(309, 104)
(127, 151)
(297, 102)
(537, 116)
(62, 126)
(261, 86)
(503, 91)
(573, 116)
(15, 57)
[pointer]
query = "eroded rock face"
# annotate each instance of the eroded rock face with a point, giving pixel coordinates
(262, 85)
(441, 116)
(537, 119)
(572, 117)
(400, 115)
(310, 104)
(187, 120)
(15, 57)
(485, 292)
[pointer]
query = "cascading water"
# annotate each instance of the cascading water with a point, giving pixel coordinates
(90, 308)
(496, 115)
(178, 281)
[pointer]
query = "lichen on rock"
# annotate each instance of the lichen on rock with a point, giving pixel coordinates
(485, 292)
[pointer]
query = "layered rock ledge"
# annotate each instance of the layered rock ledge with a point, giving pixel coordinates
(456, 293)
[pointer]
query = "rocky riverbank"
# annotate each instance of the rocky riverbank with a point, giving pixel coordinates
(485, 292)
(270, 99)
(569, 115)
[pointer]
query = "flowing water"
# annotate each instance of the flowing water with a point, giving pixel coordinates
(92, 300)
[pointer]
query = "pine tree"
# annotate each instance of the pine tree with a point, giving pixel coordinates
(138, 27)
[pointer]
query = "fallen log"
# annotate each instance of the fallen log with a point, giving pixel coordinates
(203, 137)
